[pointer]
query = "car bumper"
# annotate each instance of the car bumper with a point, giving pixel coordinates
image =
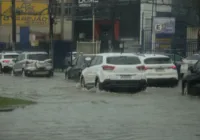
(38, 71)
(163, 81)
(8, 67)
(137, 84)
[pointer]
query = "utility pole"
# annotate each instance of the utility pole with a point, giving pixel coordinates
(13, 25)
(93, 24)
(152, 32)
(51, 22)
(62, 5)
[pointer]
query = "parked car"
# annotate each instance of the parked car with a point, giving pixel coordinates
(177, 60)
(7, 60)
(159, 70)
(191, 82)
(79, 63)
(188, 62)
(109, 71)
(33, 64)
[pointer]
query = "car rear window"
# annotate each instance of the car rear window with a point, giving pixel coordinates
(193, 57)
(40, 57)
(10, 56)
(123, 60)
(158, 60)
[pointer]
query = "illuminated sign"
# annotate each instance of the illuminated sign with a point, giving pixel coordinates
(26, 13)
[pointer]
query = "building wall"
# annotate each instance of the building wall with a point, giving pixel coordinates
(163, 6)
(6, 31)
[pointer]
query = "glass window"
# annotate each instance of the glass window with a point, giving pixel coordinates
(94, 61)
(158, 60)
(40, 57)
(193, 57)
(123, 60)
(175, 57)
(13, 56)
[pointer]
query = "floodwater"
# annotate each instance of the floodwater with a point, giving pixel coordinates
(65, 112)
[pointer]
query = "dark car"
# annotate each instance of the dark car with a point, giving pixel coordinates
(78, 64)
(177, 60)
(191, 82)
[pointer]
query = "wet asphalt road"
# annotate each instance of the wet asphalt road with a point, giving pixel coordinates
(65, 112)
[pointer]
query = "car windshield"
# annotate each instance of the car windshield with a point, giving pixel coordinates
(158, 60)
(40, 57)
(193, 57)
(175, 57)
(123, 60)
(11, 56)
(81, 60)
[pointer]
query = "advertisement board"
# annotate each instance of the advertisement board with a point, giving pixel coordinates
(164, 25)
(86, 3)
(33, 13)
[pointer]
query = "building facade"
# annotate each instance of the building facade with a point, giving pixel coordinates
(26, 21)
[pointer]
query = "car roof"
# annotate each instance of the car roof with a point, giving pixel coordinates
(34, 53)
(9, 53)
(116, 54)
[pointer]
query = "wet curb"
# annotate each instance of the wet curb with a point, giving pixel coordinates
(7, 109)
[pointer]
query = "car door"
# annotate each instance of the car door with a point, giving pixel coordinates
(22, 62)
(94, 68)
(87, 71)
(194, 77)
(75, 70)
(16, 66)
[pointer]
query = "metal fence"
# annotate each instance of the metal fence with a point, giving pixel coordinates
(182, 46)
(88, 47)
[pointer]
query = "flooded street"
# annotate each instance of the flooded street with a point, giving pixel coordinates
(65, 112)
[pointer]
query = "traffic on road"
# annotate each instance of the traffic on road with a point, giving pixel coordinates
(101, 96)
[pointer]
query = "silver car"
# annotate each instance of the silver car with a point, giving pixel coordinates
(33, 64)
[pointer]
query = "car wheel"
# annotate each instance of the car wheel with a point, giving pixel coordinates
(82, 82)
(66, 76)
(185, 89)
(98, 85)
(50, 74)
(1, 69)
(24, 73)
(13, 73)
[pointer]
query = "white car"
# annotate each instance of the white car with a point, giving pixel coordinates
(187, 62)
(33, 64)
(159, 70)
(114, 70)
(7, 60)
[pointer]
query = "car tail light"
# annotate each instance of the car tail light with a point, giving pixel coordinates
(6, 61)
(173, 67)
(107, 67)
(142, 68)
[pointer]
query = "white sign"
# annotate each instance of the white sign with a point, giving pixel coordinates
(86, 3)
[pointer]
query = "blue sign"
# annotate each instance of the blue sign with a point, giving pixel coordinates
(164, 25)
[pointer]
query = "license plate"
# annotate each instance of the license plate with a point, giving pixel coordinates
(159, 70)
(42, 72)
(125, 76)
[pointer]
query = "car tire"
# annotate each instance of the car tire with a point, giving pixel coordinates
(24, 73)
(13, 73)
(185, 89)
(1, 69)
(82, 82)
(67, 76)
(50, 74)
(98, 85)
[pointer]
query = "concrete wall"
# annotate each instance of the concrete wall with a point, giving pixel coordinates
(146, 12)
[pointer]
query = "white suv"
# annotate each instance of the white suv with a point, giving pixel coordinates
(7, 60)
(159, 70)
(114, 70)
(32, 64)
